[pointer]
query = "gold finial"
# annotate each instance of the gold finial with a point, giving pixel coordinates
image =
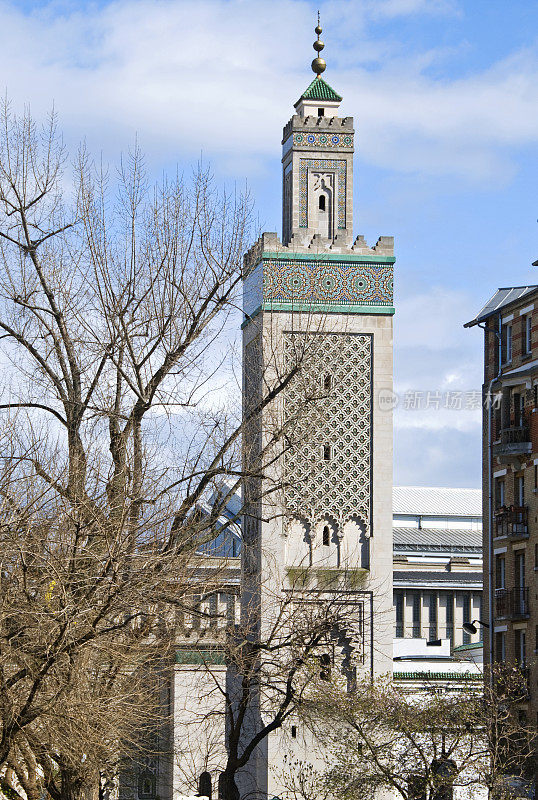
(318, 64)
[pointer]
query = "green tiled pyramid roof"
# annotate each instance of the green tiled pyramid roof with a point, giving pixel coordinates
(319, 90)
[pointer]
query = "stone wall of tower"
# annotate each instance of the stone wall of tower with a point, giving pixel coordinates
(287, 547)
(317, 160)
(347, 489)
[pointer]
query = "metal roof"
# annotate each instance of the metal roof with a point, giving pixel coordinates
(437, 539)
(426, 578)
(502, 297)
(436, 501)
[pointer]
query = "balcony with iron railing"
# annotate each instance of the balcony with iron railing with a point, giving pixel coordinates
(512, 603)
(512, 522)
(514, 441)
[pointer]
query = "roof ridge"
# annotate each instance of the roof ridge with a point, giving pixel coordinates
(451, 488)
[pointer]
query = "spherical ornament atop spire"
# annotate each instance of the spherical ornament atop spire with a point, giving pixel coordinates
(318, 64)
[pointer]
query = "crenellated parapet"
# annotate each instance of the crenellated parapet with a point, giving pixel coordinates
(270, 242)
(327, 126)
(319, 275)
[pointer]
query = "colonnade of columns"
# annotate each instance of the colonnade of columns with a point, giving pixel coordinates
(435, 614)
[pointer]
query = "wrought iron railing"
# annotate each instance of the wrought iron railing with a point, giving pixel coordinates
(512, 521)
(515, 434)
(512, 603)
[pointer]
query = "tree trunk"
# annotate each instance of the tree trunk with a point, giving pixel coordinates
(227, 786)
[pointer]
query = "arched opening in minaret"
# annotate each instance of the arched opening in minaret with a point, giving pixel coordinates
(326, 536)
(324, 223)
(326, 542)
(325, 664)
(204, 785)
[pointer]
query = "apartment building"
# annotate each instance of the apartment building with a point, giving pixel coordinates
(510, 480)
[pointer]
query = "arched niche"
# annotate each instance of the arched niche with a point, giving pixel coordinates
(338, 652)
(355, 544)
(321, 203)
(298, 543)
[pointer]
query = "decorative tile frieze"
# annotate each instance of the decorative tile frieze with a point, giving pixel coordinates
(327, 282)
(323, 141)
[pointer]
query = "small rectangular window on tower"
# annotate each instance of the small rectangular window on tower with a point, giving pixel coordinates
(321, 112)
(327, 382)
(326, 452)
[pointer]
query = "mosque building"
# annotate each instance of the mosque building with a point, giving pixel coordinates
(322, 509)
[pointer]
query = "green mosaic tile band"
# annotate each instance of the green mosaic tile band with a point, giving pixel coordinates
(324, 140)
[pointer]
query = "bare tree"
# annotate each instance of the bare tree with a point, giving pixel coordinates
(115, 296)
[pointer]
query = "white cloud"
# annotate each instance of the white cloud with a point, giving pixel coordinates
(437, 419)
(220, 76)
(437, 365)
(433, 319)
(398, 8)
(446, 459)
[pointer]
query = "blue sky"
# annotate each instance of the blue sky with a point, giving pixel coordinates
(444, 94)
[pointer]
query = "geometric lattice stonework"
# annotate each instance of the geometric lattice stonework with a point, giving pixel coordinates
(328, 413)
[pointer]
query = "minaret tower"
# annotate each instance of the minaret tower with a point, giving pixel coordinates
(322, 510)
(317, 166)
